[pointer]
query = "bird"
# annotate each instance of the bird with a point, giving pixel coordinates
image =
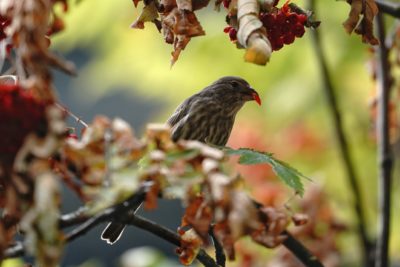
(207, 116)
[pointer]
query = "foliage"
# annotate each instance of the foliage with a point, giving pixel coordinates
(288, 174)
(108, 165)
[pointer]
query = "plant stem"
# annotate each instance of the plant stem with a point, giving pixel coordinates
(168, 235)
(388, 7)
(342, 142)
(385, 158)
(301, 252)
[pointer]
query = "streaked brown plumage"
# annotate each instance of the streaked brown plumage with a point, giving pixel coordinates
(207, 116)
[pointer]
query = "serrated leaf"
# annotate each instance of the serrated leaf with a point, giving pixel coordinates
(287, 173)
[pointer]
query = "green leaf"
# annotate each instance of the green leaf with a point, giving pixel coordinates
(287, 173)
(182, 154)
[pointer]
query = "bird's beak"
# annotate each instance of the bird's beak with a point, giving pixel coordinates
(256, 97)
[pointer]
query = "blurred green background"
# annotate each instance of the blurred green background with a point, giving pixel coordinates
(126, 73)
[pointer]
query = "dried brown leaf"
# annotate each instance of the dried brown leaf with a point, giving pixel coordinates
(152, 197)
(199, 4)
(368, 9)
(167, 6)
(198, 214)
(184, 4)
(180, 26)
(149, 13)
(223, 234)
(251, 33)
(190, 246)
(300, 219)
(136, 2)
(243, 216)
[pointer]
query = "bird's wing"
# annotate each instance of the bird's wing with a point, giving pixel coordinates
(190, 125)
(180, 112)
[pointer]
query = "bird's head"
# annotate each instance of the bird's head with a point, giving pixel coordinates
(234, 90)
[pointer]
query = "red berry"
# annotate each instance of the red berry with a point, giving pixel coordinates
(299, 30)
(288, 38)
(20, 114)
(72, 136)
(8, 49)
(227, 29)
(302, 18)
(226, 3)
(278, 44)
(292, 18)
(280, 18)
(4, 22)
(286, 28)
(233, 34)
(268, 19)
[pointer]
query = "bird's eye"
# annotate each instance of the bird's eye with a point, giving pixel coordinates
(235, 84)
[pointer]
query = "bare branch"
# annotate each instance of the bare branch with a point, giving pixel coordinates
(385, 157)
(301, 252)
(342, 142)
(167, 235)
(219, 250)
(390, 8)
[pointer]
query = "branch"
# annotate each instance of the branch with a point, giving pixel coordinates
(343, 146)
(15, 251)
(219, 250)
(87, 222)
(167, 235)
(73, 218)
(385, 157)
(389, 8)
(121, 213)
(295, 246)
(300, 251)
(110, 213)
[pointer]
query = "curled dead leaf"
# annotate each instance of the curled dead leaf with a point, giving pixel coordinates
(198, 214)
(368, 9)
(251, 33)
(149, 13)
(190, 246)
(300, 219)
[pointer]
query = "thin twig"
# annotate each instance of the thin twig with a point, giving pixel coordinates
(15, 251)
(108, 136)
(385, 157)
(110, 213)
(167, 235)
(219, 250)
(343, 146)
(388, 7)
(73, 218)
(67, 111)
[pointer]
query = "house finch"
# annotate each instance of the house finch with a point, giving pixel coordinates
(207, 116)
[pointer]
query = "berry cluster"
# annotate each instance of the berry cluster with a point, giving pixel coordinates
(232, 33)
(283, 26)
(20, 114)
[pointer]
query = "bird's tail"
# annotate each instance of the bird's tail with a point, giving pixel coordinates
(112, 232)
